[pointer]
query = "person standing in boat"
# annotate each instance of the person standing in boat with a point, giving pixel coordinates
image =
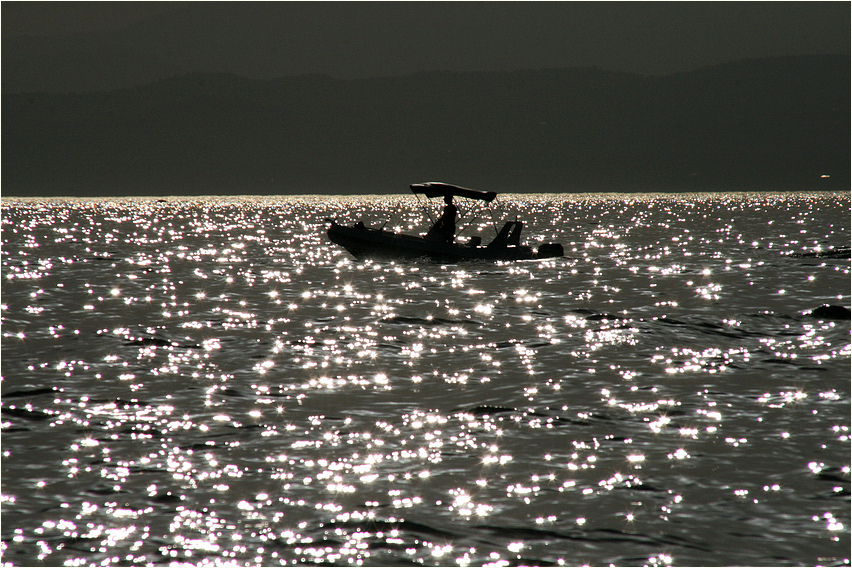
(444, 229)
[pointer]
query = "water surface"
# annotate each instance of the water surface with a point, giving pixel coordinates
(211, 381)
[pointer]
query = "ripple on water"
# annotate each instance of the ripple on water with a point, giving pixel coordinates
(209, 381)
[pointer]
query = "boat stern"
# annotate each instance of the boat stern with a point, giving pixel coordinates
(550, 250)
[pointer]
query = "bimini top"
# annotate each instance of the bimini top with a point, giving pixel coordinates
(439, 189)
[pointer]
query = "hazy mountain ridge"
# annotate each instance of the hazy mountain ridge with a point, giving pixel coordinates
(265, 40)
(759, 124)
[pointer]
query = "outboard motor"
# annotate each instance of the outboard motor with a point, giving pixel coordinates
(515, 236)
(510, 234)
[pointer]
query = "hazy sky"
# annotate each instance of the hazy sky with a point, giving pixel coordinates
(523, 95)
(349, 39)
(63, 18)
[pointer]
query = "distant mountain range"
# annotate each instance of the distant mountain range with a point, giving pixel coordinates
(349, 40)
(767, 124)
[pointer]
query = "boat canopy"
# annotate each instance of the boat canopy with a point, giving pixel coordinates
(439, 189)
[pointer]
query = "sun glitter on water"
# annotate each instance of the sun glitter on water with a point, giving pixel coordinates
(209, 381)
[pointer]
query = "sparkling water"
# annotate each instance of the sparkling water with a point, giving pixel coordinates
(211, 381)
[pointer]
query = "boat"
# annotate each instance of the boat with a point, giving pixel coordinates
(367, 242)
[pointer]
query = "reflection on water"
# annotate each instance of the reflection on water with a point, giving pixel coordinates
(213, 382)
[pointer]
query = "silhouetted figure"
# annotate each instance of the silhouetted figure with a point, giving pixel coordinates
(444, 229)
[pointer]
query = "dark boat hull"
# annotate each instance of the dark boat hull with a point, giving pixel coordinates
(363, 242)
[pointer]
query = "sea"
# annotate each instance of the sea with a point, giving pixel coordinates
(212, 382)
